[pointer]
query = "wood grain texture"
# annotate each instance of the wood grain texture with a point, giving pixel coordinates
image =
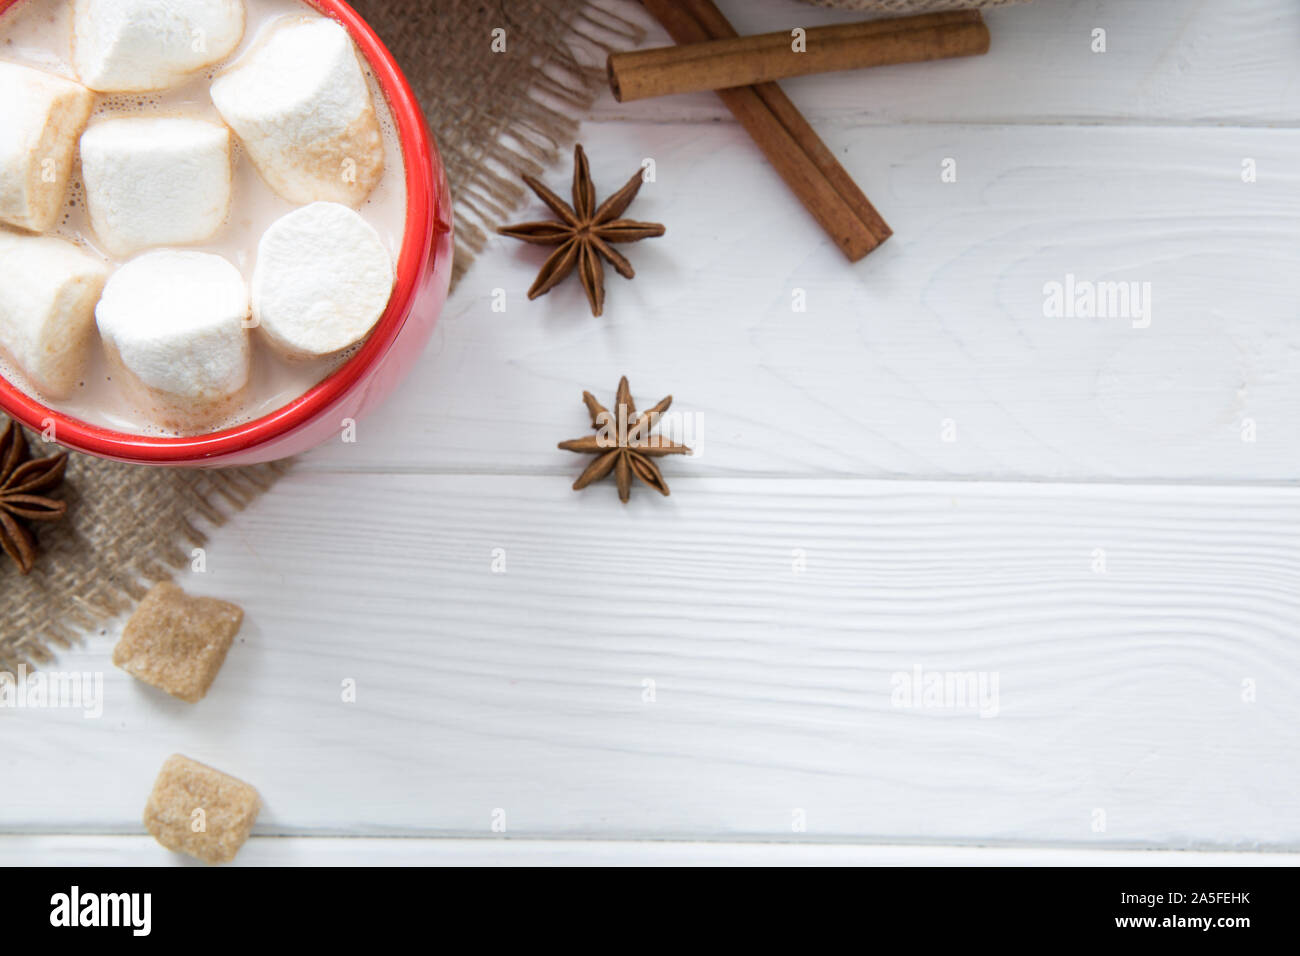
(47, 850)
(1119, 692)
(939, 333)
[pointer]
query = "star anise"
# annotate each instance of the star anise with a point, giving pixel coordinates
(583, 233)
(624, 443)
(22, 483)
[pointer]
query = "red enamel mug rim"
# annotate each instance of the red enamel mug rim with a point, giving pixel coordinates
(417, 248)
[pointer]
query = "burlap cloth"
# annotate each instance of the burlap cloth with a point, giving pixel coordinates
(495, 115)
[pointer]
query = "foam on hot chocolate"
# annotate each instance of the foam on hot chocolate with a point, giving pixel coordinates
(37, 33)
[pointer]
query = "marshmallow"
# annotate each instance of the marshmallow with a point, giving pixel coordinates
(48, 289)
(322, 280)
(300, 105)
(138, 45)
(155, 181)
(175, 323)
(41, 116)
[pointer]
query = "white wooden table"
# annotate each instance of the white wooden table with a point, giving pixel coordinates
(920, 471)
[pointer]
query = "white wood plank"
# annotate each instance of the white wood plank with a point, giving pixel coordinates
(1119, 692)
(65, 850)
(1166, 61)
(944, 323)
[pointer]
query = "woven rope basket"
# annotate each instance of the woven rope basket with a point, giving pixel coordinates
(901, 7)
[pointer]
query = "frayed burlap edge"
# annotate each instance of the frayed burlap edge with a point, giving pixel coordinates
(535, 64)
(495, 115)
(128, 527)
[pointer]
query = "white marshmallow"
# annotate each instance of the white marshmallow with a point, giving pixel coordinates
(175, 323)
(48, 289)
(299, 103)
(41, 116)
(323, 278)
(155, 181)
(137, 45)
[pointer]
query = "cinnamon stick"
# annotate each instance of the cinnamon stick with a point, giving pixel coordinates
(743, 61)
(784, 136)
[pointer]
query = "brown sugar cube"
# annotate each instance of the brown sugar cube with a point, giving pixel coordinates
(200, 811)
(178, 642)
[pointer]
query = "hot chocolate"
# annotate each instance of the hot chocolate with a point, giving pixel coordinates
(47, 36)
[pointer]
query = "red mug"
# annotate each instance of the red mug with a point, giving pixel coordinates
(366, 379)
